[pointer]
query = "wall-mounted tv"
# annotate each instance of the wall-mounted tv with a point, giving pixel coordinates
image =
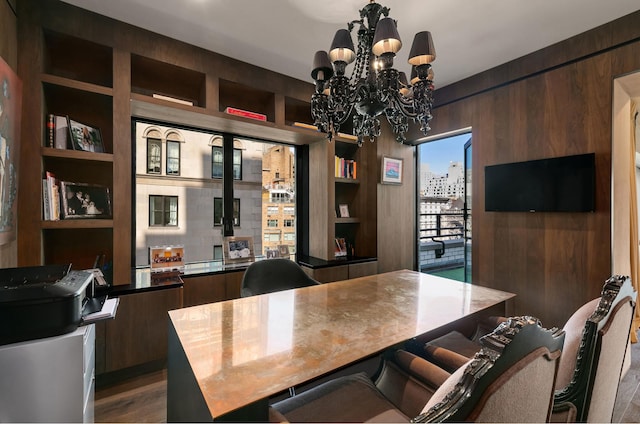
(562, 184)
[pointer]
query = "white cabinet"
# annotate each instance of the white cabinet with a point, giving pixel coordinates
(49, 380)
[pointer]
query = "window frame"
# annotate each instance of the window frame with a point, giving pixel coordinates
(167, 158)
(158, 142)
(166, 214)
(236, 220)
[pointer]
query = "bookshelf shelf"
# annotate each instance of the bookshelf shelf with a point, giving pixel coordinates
(66, 224)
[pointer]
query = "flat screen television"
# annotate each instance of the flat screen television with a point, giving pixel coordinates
(562, 184)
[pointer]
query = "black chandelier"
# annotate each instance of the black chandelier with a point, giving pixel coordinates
(374, 87)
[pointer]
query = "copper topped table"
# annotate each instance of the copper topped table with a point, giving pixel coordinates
(227, 358)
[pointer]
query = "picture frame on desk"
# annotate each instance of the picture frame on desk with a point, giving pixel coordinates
(391, 170)
(237, 250)
(166, 258)
(85, 201)
(85, 138)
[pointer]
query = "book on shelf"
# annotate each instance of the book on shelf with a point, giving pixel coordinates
(57, 131)
(345, 168)
(50, 197)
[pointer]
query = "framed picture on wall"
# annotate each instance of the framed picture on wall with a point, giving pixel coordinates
(238, 250)
(391, 170)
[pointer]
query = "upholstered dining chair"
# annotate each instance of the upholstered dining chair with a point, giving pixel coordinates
(510, 379)
(271, 275)
(596, 339)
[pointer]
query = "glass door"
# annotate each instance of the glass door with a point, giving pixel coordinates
(467, 210)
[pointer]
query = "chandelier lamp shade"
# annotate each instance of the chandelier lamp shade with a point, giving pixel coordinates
(375, 87)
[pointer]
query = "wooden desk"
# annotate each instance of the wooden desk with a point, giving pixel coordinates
(227, 358)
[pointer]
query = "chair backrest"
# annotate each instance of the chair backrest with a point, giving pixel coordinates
(594, 364)
(271, 275)
(511, 378)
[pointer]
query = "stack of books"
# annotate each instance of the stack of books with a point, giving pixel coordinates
(345, 168)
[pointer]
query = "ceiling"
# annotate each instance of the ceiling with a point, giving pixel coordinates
(283, 35)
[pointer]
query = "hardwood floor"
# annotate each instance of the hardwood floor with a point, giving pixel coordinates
(143, 399)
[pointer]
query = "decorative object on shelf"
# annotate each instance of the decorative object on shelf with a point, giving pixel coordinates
(85, 138)
(84, 201)
(246, 114)
(341, 247)
(166, 258)
(375, 87)
(391, 170)
(344, 211)
(237, 250)
(10, 108)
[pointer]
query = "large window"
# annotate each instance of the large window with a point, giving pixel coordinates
(188, 179)
(173, 158)
(163, 211)
(154, 155)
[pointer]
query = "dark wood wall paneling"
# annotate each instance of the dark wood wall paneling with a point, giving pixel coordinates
(9, 53)
(554, 102)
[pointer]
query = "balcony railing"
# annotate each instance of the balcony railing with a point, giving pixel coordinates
(441, 226)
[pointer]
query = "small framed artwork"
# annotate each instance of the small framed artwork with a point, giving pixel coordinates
(272, 253)
(166, 258)
(237, 249)
(84, 200)
(391, 170)
(85, 138)
(344, 211)
(283, 250)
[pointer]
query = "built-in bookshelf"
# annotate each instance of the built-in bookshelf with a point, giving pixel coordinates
(348, 185)
(102, 73)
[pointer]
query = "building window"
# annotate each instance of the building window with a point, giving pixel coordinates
(237, 164)
(272, 210)
(273, 223)
(289, 210)
(163, 211)
(217, 162)
(173, 158)
(272, 237)
(218, 211)
(217, 252)
(154, 155)
(288, 222)
(289, 236)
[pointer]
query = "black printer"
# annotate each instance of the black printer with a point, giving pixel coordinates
(41, 301)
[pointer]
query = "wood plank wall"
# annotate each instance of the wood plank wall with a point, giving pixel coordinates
(554, 102)
(9, 53)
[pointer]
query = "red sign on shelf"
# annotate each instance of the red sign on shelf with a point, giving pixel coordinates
(246, 114)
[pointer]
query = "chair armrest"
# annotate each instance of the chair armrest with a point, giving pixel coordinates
(446, 358)
(421, 369)
(275, 416)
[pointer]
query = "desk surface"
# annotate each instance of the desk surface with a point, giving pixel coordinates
(245, 350)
